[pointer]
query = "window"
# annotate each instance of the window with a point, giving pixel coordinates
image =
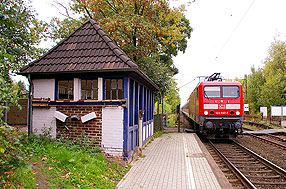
(89, 89)
(65, 90)
(212, 91)
(230, 91)
(113, 89)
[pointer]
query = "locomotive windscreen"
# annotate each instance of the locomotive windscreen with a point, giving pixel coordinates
(212, 91)
(230, 91)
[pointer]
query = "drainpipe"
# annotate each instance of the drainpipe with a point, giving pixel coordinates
(141, 113)
(30, 105)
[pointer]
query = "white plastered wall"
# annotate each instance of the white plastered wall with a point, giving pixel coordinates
(44, 88)
(77, 89)
(43, 118)
(112, 130)
(100, 88)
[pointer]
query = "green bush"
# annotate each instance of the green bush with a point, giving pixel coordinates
(10, 149)
(171, 120)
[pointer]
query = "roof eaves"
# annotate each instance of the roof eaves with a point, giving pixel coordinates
(136, 70)
(142, 74)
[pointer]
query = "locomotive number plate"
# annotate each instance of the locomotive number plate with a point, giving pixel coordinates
(221, 106)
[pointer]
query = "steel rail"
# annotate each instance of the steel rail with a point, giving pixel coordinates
(260, 125)
(266, 162)
(239, 174)
(268, 141)
(276, 137)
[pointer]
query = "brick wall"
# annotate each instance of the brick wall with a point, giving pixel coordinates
(74, 129)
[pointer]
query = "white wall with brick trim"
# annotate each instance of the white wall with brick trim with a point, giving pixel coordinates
(43, 119)
(44, 88)
(112, 130)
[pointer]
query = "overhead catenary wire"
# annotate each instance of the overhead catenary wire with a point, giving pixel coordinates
(188, 82)
(192, 81)
(236, 27)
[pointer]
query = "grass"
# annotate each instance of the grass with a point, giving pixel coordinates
(252, 127)
(158, 133)
(261, 122)
(55, 164)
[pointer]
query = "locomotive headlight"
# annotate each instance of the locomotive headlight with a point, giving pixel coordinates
(206, 112)
(237, 112)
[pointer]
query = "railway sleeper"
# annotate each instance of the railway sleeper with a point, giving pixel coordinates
(264, 176)
(268, 183)
(245, 163)
(255, 171)
(239, 158)
(234, 153)
(232, 181)
(254, 166)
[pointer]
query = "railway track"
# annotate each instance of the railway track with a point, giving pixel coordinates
(259, 125)
(250, 169)
(271, 139)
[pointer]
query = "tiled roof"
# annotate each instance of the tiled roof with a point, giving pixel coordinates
(88, 48)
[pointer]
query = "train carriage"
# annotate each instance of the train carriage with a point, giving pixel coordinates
(215, 109)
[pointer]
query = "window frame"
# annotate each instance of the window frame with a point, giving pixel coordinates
(86, 90)
(117, 89)
(58, 89)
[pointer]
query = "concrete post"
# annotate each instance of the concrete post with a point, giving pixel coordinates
(141, 113)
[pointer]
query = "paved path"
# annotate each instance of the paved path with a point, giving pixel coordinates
(173, 160)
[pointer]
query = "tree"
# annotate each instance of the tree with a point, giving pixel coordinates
(149, 31)
(20, 32)
(267, 85)
(274, 89)
(255, 82)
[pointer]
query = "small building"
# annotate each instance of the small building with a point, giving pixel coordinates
(86, 85)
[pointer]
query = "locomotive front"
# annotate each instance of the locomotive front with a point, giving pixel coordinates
(220, 109)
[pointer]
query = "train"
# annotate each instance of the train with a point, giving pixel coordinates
(215, 108)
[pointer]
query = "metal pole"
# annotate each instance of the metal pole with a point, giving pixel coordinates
(30, 105)
(162, 104)
(179, 125)
(179, 114)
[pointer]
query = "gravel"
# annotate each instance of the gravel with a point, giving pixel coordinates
(274, 154)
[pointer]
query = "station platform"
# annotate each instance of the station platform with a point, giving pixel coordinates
(266, 131)
(174, 160)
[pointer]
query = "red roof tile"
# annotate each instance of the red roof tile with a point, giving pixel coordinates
(87, 48)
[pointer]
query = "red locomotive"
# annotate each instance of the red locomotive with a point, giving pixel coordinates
(215, 108)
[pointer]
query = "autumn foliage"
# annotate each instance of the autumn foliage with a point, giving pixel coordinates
(149, 31)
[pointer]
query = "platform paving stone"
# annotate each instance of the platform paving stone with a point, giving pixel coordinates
(173, 160)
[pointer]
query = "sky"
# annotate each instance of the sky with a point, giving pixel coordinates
(229, 36)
